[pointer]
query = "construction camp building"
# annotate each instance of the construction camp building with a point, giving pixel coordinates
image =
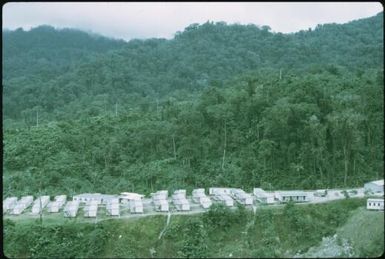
(112, 207)
(222, 195)
(22, 204)
(375, 204)
(55, 205)
(136, 206)
(160, 200)
(241, 196)
(39, 204)
(9, 203)
(263, 197)
(180, 201)
(215, 190)
(71, 208)
(295, 196)
(91, 208)
(199, 196)
(125, 197)
(87, 197)
(376, 187)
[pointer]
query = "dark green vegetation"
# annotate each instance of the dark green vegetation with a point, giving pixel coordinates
(218, 105)
(271, 232)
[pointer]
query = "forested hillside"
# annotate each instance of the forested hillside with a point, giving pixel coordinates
(141, 71)
(225, 105)
(45, 52)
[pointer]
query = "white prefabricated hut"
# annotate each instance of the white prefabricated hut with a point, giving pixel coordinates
(39, 204)
(113, 208)
(71, 208)
(241, 196)
(91, 209)
(61, 199)
(205, 202)
(179, 194)
(160, 200)
(199, 196)
(18, 209)
(159, 195)
(9, 203)
(375, 204)
(22, 204)
(227, 200)
(216, 190)
(163, 194)
(180, 201)
(161, 205)
(87, 197)
(136, 206)
(181, 204)
(295, 196)
(263, 196)
(180, 191)
(222, 195)
(375, 186)
(224, 198)
(126, 197)
(53, 207)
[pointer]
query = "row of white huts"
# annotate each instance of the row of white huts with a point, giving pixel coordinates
(14, 206)
(134, 201)
(160, 200)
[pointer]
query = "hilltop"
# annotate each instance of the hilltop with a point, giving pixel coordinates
(53, 68)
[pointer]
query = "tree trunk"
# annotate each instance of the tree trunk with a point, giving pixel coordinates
(37, 118)
(354, 168)
(41, 209)
(314, 165)
(258, 132)
(320, 167)
(224, 149)
(173, 143)
(346, 166)
(264, 163)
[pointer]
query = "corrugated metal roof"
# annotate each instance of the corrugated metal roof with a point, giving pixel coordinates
(378, 182)
(375, 199)
(293, 193)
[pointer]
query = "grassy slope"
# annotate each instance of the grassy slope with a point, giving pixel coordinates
(365, 230)
(361, 236)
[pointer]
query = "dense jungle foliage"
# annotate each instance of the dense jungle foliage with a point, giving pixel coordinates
(220, 233)
(217, 105)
